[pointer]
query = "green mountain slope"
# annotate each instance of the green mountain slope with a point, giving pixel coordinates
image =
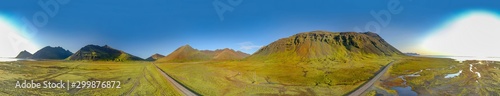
(322, 45)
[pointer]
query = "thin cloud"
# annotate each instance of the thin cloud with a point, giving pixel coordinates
(248, 46)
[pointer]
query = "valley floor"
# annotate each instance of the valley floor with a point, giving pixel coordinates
(264, 78)
(407, 75)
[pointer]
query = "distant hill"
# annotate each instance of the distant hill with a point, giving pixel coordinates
(188, 54)
(24, 54)
(155, 57)
(229, 54)
(322, 45)
(185, 53)
(412, 54)
(105, 53)
(51, 53)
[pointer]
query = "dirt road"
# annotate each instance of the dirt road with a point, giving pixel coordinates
(178, 86)
(363, 88)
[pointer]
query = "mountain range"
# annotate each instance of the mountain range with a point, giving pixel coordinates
(315, 45)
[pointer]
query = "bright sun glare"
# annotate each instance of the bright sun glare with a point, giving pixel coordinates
(11, 41)
(476, 33)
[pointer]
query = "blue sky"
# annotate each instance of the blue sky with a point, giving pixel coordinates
(145, 27)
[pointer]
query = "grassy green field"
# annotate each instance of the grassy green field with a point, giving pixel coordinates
(272, 78)
(137, 78)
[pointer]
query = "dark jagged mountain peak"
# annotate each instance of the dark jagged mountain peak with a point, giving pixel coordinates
(51, 53)
(104, 53)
